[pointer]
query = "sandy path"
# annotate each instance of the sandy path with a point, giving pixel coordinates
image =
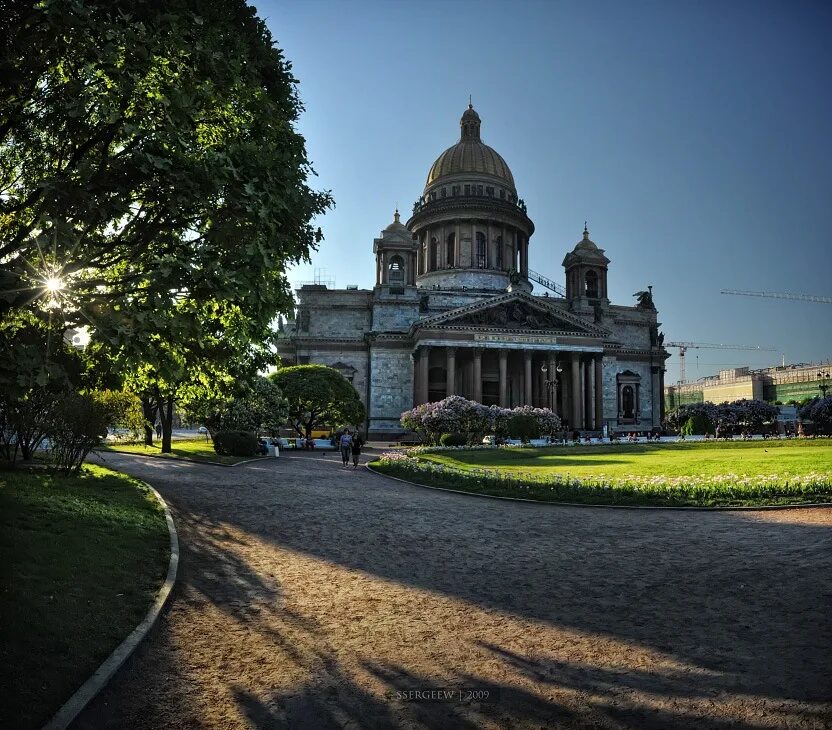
(316, 597)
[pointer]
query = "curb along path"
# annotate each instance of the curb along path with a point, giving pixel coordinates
(72, 708)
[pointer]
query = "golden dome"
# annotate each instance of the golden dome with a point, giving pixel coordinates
(470, 155)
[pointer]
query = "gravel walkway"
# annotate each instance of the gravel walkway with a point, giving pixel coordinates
(313, 596)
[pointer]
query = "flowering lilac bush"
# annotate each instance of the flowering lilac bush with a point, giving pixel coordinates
(750, 414)
(678, 417)
(725, 417)
(456, 414)
(819, 411)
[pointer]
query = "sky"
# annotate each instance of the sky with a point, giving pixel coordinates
(695, 138)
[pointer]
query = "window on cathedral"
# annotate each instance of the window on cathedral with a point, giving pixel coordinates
(434, 254)
(396, 268)
(489, 191)
(450, 246)
(499, 252)
(456, 189)
(479, 189)
(591, 285)
(467, 189)
(444, 192)
(482, 257)
(502, 195)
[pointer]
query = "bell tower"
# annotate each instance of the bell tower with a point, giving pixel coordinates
(586, 274)
(395, 256)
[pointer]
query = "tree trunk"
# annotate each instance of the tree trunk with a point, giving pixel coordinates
(149, 409)
(166, 415)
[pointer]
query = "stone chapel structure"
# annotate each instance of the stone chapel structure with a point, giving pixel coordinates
(452, 312)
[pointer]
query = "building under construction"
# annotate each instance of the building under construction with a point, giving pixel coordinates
(777, 384)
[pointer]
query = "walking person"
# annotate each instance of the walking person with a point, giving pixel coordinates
(346, 447)
(159, 430)
(357, 443)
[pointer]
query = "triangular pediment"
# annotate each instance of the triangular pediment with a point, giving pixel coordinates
(513, 311)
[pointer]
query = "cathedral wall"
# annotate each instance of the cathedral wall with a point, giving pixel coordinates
(334, 313)
(612, 367)
(469, 277)
(634, 335)
(440, 301)
(394, 316)
(391, 388)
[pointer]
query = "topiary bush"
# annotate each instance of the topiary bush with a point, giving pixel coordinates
(235, 443)
(523, 426)
(697, 425)
(453, 439)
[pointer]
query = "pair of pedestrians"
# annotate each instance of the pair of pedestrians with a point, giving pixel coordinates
(350, 445)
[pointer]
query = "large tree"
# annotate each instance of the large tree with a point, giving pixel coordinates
(151, 178)
(316, 396)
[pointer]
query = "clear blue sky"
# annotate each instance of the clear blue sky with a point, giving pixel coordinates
(695, 137)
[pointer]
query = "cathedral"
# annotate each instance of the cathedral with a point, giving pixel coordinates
(453, 312)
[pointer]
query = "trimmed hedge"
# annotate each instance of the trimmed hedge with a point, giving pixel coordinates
(453, 439)
(235, 443)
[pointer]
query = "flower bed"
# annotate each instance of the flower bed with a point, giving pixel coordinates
(705, 490)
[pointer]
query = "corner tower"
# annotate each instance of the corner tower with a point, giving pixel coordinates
(471, 229)
(586, 274)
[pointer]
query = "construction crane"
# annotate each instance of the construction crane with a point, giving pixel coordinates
(547, 282)
(780, 295)
(685, 346)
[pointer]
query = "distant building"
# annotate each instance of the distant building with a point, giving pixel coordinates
(452, 312)
(782, 383)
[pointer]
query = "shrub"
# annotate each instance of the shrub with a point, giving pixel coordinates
(523, 426)
(79, 423)
(235, 443)
(698, 424)
(453, 439)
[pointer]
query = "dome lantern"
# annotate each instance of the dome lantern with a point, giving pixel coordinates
(469, 125)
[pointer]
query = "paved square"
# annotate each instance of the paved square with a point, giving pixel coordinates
(313, 596)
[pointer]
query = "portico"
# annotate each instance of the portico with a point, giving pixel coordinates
(511, 374)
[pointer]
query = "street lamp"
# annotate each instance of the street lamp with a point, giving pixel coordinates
(550, 384)
(823, 386)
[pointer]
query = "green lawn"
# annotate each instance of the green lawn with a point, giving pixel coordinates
(686, 474)
(785, 458)
(198, 449)
(83, 558)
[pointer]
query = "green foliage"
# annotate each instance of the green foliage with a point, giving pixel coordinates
(141, 144)
(124, 410)
(317, 395)
(25, 422)
(149, 158)
(259, 407)
(79, 424)
(453, 439)
(235, 443)
(524, 427)
(698, 424)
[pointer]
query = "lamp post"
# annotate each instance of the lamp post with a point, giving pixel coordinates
(550, 384)
(823, 386)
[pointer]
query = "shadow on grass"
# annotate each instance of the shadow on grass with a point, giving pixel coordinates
(84, 557)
